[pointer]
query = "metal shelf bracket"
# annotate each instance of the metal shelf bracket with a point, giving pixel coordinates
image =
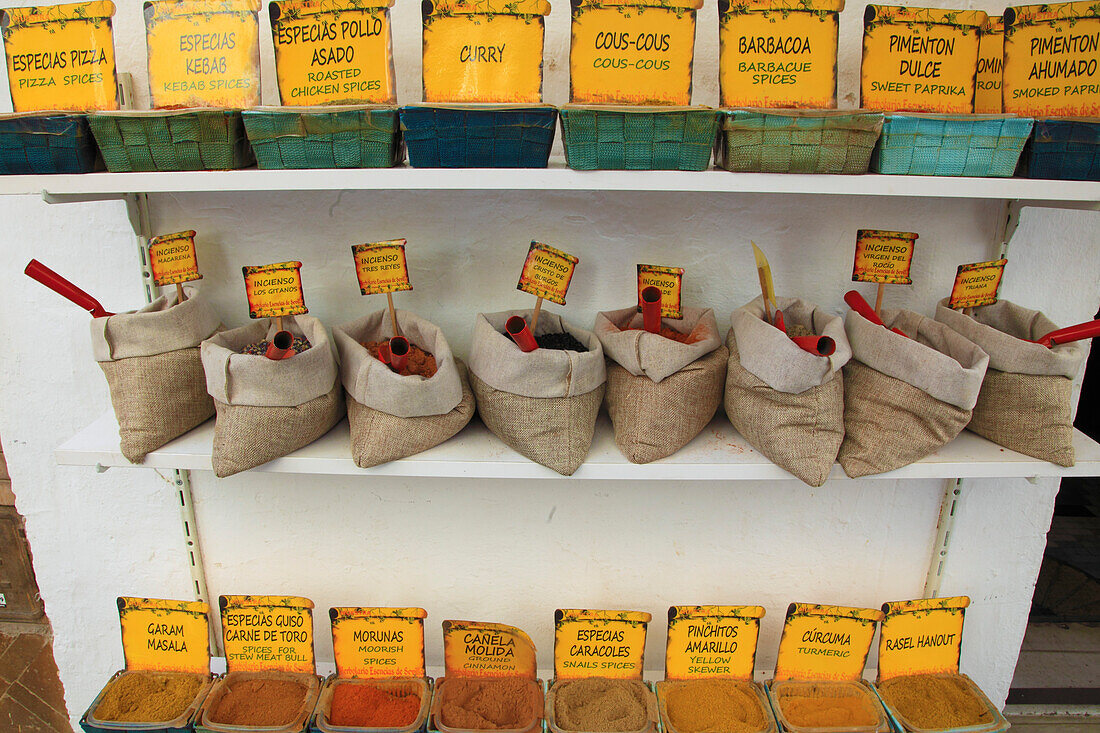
(949, 505)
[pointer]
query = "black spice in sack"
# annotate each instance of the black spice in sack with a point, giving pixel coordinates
(560, 341)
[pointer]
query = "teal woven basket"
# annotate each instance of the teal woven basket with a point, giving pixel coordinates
(646, 138)
(797, 141)
(951, 145)
(319, 137)
(178, 140)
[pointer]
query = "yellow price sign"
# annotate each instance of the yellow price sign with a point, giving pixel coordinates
(482, 649)
(921, 637)
(825, 642)
(274, 290)
(919, 59)
(381, 267)
(203, 53)
(547, 272)
(977, 284)
(267, 632)
(778, 53)
(883, 257)
(165, 636)
(666, 279)
(712, 641)
(172, 258)
(1051, 57)
(991, 48)
(378, 642)
(596, 643)
(61, 57)
(333, 51)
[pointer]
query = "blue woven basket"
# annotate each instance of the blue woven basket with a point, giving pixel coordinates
(47, 143)
(797, 141)
(951, 145)
(314, 137)
(469, 136)
(646, 138)
(1067, 149)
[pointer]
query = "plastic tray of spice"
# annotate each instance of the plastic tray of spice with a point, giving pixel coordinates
(945, 702)
(131, 697)
(590, 704)
(522, 692)
(724, 704)
(863, 699)
(371, 705)
(260, 702)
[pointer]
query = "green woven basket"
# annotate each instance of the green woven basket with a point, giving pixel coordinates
(797, 141)
(172, 140)
(642, 138)
(362, 136)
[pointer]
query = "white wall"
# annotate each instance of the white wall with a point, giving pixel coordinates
(496, 550)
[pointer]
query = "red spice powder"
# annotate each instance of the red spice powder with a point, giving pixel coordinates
(419, 362)
(358, 705)
(668, 333)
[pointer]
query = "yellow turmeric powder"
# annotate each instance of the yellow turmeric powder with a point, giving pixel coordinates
(713, 706)
(817, 705)
(935, 701)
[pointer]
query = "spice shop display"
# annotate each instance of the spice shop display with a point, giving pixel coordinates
(380, 681)
(270, 685)
(598, 666)
(710, 656)
(150, 358)
(818, 683)
(919, 681)
(167, 669)
(491, 681)
(666, 367)
(61, 62)
(271, 405)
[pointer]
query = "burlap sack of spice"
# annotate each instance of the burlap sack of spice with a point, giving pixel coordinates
(660, 393)
(151, 360)
(905, 397)
(269, 408)
(1026, 399)
(543, 403)
(787, 402)
(394, 416)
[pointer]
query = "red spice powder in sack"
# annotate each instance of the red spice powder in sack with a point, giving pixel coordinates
(358, 705)
(419, 362)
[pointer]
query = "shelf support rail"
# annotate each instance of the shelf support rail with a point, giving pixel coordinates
(182, 482)
(945, 526)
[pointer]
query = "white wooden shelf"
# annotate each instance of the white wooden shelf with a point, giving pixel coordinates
(557, 177)
(718, 453)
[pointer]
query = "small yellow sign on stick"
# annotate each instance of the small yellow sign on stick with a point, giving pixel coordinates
(173, 261)
(977, 284)
(883, 257)
(546, 273)
(274, 290)
(381, 268)
(666, 279)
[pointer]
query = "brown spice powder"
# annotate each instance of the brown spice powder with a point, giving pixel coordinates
(601, 705)
(714, 706)
(259, 701)
(935, 701)
(420, 362)
(668, 333)
(148, 697)
(796, 330)
(490, 703)
(818, 706)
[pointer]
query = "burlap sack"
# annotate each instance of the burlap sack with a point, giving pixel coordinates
(151, 360)
(543, 403)
(660, 393)
(786, 402)
(1026, 398)
(267, 409)
(393, 416)
(905, 397)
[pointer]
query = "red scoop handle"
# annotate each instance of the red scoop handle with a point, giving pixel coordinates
(1085, 330)
(64, 288)
(856, 302)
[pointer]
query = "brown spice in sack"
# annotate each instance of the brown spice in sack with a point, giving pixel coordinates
(259, 701)
(297, 345)
(935, 701)
(714, 706)
(668, 333)
(420, 362)
(493, 703)
(148, 697)
(601, 705)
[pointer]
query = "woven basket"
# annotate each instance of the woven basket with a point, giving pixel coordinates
(320, 137)
(47, 143)
(1068, 149)
(797, 141)
(183, 140)
(951, 145)
(478, 136)
(643, 138)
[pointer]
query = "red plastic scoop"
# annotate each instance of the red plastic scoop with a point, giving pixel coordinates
(817, 345)
(1085, 330)
(64, 288)
(856, 302)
